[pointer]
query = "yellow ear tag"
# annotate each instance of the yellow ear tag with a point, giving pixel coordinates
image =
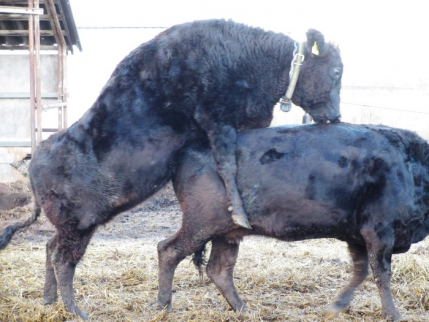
(315, 49)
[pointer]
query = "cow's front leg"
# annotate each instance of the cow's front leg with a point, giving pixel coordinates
(170, 253)
(359, 256)
(379, 242)
(223, 140)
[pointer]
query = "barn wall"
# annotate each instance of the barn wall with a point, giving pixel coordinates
(15, 107)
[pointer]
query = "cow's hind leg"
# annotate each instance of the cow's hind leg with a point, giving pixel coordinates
(220, 269)
(359, 256)
(50, 291)
(171, 252)
(379, 241)
(68, 250)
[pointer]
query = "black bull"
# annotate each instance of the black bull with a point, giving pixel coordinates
(365, 185)
(216, 77)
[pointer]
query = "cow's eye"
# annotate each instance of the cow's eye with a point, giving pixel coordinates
(337, 72)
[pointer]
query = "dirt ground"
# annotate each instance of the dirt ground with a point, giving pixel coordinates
(117, 278)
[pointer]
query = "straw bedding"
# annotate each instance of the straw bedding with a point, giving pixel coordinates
(117, 278)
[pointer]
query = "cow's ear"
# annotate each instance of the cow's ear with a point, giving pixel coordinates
(315, 42)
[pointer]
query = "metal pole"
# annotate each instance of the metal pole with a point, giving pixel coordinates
(37, 66)
(64, 63)
(60, 85)
(32, 85)
(62, 92)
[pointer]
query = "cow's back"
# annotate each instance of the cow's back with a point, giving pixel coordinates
(315, 181)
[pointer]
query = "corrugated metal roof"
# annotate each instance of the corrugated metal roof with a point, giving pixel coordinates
(14, 26)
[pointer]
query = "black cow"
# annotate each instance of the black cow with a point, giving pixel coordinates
(365, 185)
(217, 77)
(198, 81)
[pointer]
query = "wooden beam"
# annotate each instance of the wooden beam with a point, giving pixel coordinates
(57, 104)
(16, 2)
(19, 95)
(55, 23)
(66, 26)
(25, 47)
(21, 10)
(20, 16)
(15, 144)
(48, 130)
(24, 33)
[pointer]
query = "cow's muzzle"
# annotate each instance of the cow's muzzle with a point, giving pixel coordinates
(336, 119)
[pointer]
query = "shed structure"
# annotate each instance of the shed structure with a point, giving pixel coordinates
(35, 38)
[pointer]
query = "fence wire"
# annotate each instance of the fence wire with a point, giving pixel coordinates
(385, 108)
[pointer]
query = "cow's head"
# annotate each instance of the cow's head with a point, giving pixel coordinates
(318, 88)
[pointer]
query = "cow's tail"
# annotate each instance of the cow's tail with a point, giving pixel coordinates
(199, 261)
(9, 231)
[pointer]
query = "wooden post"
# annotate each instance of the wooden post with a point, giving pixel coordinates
(62, 54)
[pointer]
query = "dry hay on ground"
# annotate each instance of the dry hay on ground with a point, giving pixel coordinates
(14, 194)
(117, 279)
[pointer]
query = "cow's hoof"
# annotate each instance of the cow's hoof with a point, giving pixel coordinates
(337, 307)
(243, 310)
(393, 316)
(331, 314)
(78, 312)
(75, 310)
(83, 315)
(241, 220)
(167, 307)
(50, 300)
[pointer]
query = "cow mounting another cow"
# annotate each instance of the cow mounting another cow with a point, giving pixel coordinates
(201, 81)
